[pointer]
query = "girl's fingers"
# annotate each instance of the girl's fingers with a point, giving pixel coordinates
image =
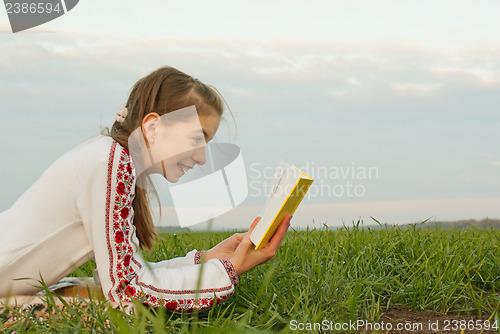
(280, 233)
(255, 222)
(238, 236)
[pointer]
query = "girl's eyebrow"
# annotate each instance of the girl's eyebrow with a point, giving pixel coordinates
(203, 131)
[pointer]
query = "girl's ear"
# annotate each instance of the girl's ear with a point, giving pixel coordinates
(149, 127)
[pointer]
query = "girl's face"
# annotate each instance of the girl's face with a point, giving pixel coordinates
(177, 147)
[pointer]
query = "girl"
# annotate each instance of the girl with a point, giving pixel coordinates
(89, 203)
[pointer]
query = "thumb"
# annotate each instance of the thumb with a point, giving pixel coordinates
(238, 236)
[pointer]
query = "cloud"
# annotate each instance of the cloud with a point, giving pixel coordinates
(421, 88)
(339, 82)
(347, 71)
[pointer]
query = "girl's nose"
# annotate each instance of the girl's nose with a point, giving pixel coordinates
(199, 155)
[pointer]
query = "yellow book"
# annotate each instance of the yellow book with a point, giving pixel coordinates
(289, 188)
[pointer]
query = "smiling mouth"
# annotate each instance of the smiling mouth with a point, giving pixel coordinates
(183, 168)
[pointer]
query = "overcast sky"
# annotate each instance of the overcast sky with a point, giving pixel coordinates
(407, 90)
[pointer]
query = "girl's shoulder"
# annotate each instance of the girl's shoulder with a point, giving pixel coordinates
(99, 143)
(98, 148)
(93, 154)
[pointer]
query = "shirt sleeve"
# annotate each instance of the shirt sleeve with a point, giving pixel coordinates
(193, 257)
(177, 284)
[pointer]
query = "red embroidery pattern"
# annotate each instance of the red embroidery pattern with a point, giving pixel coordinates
(123, 267)
(120, 236)
(197, 257)
(183, 292)
(230, 271)
(108, 196)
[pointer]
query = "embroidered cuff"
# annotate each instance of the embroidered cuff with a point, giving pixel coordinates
(230, 271)
(197, 257)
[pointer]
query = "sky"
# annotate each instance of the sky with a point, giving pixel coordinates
(392, 106)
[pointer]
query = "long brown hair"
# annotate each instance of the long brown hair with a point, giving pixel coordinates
(164, 90)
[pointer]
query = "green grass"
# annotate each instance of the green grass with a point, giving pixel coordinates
(339, 275)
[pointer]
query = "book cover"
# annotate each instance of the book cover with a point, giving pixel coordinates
(289, 188)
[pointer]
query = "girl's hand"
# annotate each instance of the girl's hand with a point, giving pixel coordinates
(245, 256)
(225, 249)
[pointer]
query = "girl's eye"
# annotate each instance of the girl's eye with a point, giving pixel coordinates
(198, 140)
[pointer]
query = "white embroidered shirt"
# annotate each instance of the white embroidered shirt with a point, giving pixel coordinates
(82, 207)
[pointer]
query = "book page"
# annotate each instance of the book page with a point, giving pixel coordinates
(281, 189)
(278, 174)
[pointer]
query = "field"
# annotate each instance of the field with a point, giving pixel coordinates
(326, 278)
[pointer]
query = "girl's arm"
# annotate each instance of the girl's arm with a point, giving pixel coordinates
(193, 257)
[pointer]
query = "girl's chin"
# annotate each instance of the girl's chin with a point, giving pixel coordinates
(170, 174)
(172, 180)
(174, 173)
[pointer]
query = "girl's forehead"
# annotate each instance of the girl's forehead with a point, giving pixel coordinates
(209, 124)
(205, 124)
